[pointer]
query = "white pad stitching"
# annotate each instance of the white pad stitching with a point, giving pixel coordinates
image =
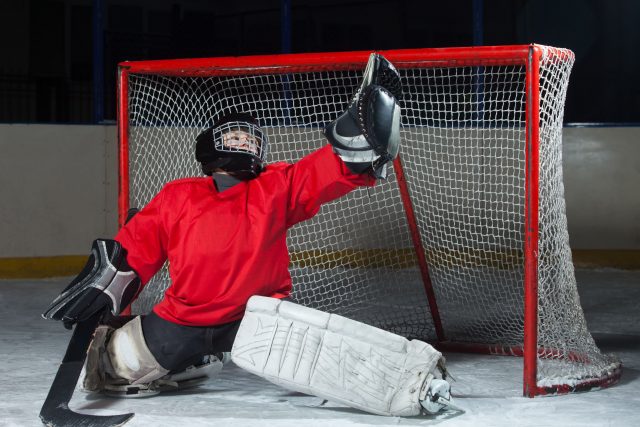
(382, 375)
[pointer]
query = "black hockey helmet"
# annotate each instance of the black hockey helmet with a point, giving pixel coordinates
(235, 144)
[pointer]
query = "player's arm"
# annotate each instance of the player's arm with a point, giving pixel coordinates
(367, 135)
(363, 140)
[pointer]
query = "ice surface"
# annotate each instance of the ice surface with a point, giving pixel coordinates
(488, 387)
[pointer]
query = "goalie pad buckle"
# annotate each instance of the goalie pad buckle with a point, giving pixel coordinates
(333, 357)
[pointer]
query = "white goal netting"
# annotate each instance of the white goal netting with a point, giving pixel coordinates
(463, 150)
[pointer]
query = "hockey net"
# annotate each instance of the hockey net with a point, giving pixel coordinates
(444, 250)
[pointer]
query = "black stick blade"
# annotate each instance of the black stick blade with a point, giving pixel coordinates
(55, 411)
(63, 416)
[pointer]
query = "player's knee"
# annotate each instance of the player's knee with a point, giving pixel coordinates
(118, 355)
(130, 357)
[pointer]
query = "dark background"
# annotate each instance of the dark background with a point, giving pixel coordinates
(49, 47)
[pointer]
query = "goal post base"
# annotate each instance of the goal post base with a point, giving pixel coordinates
(608, 377)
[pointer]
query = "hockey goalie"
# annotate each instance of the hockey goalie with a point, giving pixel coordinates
(224, 236)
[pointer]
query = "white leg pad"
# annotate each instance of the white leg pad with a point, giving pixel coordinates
(130, 357)
(333, 357)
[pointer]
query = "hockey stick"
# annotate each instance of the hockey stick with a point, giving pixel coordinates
(55, 410)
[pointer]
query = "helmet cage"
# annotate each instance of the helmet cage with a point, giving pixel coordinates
(240, 137)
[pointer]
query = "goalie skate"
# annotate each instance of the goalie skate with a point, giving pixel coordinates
(190, 377)
(438, 397)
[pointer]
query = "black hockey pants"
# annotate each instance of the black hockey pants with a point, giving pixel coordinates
(177, 347)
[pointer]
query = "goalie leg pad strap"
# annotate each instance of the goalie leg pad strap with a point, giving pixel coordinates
(94, 368)
(333, 357)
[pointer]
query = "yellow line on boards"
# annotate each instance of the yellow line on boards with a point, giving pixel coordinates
(70, 265)
(41, 267)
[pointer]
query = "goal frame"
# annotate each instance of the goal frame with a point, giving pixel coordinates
(528, 56)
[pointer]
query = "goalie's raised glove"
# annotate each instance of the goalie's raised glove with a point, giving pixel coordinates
(106, 281)
(381, 72)
(367, 135)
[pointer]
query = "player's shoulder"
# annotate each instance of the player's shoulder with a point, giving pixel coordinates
(277, 171)
(184, 185)
(188, 182)
(277, 167)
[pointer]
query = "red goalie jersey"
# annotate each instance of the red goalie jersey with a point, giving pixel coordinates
(225, 247)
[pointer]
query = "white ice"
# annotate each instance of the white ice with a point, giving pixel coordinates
(488, 387)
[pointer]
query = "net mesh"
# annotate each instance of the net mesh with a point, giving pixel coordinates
(566, 348)
(463, 150)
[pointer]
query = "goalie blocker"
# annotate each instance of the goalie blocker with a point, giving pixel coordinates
(339, 359)
(105, 281)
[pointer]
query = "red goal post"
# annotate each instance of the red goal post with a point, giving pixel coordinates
(488, 122)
